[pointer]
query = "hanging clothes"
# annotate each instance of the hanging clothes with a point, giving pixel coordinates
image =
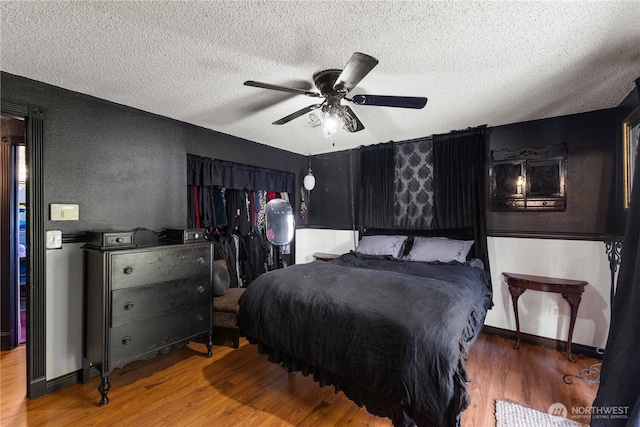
(219, 210)
(206, 208)
(271, 257)
(238, 261)
(237, 212)
(234, 217)
(192, 207)
(200, 207)
(252, 210)
(260, 208)
(225, 248)
(255, 256)
(265, 248)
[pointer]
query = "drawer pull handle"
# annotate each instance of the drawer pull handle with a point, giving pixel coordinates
(128, 270)
(128, 306)
(119, 239)
(200, 260)
(126, 340)
(199, 317)
(200, 289)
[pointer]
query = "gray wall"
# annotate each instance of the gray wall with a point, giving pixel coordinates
(590, 187)
(126, 169)
(594, 201)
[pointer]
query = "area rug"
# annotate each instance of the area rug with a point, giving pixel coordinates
(510, 414)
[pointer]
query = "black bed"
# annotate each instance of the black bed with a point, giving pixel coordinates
(390, 333)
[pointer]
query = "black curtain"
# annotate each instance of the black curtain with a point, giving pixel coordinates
(377, 184)
(203, 171)
(620, 375)
(459, 184)
(204, 178)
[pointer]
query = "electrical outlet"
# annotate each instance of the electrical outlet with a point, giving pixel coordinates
(554, 311)
(53, 239)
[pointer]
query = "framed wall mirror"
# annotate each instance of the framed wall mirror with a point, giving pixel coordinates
(630, 138)
(545, 177)
(508, 179)
(528, 178)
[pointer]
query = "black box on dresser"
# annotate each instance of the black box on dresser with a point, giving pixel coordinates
(184, 235)
(143, 301)
(110, 239)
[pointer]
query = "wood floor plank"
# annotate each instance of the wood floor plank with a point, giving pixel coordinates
(239, 387)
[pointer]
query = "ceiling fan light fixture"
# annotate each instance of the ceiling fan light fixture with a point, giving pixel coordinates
(314, 120)
(334, 85)
(309, 181)
(332, 116)
(330, 125)
(349, 122)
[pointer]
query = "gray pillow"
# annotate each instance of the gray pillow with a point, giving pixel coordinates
(428, 249)
(221, 280)
(381, 245)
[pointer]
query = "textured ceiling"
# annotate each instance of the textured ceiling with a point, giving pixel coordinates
(478, 62)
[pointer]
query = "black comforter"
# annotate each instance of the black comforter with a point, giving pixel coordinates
(392, 335)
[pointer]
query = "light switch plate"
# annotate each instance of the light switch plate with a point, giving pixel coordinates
(64, 212)
(53, 239)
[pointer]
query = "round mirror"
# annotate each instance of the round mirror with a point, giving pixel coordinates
(279, 222)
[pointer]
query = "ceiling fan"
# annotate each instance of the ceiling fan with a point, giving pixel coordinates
(334, 86)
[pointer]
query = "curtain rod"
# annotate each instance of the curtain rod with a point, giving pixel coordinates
(240, 165)
(464, 132)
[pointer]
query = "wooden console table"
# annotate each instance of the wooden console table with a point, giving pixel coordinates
(571, 291)
(321, 256)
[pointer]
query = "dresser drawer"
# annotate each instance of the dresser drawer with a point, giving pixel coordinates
(145, 267)
(132, 341)
(158, 299)
(507, 204)
(200, 320)
(545, 204)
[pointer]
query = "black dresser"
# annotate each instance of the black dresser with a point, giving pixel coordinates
(142, 301)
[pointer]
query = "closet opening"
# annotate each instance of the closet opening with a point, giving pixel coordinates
(13, 224)
(228, 201)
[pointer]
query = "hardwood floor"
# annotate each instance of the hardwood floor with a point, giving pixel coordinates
(241, 388)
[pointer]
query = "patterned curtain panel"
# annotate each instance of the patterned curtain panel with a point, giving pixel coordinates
(413, 183)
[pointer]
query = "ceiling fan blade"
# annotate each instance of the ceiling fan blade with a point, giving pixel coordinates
(297, 114)
(282, 88)
(390, 101)
(351, 121)
(358, 66)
